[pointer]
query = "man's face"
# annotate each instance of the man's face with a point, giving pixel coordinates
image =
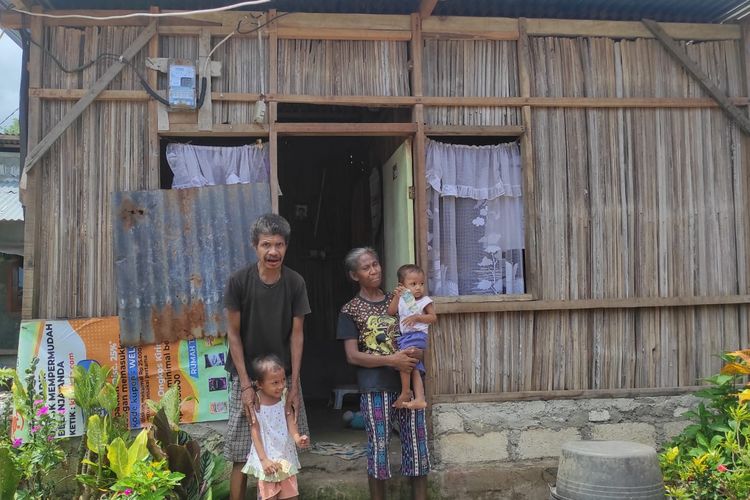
(270, 250)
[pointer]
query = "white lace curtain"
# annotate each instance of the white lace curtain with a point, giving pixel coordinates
(198, 166)
(475, 219)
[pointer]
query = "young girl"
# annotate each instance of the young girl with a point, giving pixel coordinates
(416, 313)
(273, 456)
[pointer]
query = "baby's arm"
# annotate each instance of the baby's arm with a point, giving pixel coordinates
(291, 425)
(269, 466)
(429, 315)
(393, 304)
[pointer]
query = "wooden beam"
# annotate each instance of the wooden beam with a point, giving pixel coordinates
(630, 29)
(426, 7)
(154, 150)
(219, 130)
(74, 112)
(464, 305)
(679, 55)
(533, 252)
(346, 129)
(478, 131)
(408, 101)
(342, 34)
(206, 111)
(31, 196)
(499, 397)
(273, 111)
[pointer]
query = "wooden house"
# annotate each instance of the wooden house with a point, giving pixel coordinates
(633, 144)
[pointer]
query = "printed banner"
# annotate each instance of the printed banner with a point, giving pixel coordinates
(195, 366)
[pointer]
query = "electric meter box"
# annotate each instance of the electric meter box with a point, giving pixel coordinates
(181, 92)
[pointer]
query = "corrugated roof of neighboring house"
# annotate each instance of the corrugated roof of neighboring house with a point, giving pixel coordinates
(10, 204)
(10, 141)
(696, 11)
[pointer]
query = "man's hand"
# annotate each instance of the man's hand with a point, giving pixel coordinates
(402, 362)
(415, 353)
(293, 401)
(269, 466)
(302, 441)
(250, 403)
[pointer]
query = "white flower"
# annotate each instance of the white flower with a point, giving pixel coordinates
(486, 262)
(483, 211)
(479, 221)
(492, 249)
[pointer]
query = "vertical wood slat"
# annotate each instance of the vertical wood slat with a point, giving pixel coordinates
(153, 134)
(30, 301)
(273, 138)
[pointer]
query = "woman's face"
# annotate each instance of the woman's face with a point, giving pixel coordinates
(368, 273)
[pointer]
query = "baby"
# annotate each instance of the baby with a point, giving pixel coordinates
(416, 313)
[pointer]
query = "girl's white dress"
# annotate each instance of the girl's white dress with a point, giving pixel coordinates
(277, 442)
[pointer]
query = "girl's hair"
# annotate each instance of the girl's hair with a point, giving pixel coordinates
(351, 261)
(406, 269)
(264, 365)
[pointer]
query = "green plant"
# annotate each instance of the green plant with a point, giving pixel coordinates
(167, 441)
(710, 459)
(148, 481)
(27, 460)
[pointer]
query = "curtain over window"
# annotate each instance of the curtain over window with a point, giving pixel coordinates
(198, 166)
(475, 221)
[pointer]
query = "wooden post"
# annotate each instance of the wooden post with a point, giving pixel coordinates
(154, 150)
(273, 137)
(31, 198)
(527, 165)
(205, 113)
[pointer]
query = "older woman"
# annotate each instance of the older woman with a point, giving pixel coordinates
(369, 336)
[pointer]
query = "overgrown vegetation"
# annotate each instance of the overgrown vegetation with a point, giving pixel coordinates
(710, 459)
(161, 462)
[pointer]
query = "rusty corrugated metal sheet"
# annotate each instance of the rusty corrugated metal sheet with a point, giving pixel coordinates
(174, 250)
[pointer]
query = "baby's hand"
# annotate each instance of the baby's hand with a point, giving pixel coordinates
(302, 441)
(269, 466)
(399, 290)
(410, 320)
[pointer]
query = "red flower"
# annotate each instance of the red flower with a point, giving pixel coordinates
(721, 468)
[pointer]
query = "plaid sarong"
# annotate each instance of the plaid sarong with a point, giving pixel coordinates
(237, 441)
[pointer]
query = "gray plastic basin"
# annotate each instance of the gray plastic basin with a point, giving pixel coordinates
(604, 470)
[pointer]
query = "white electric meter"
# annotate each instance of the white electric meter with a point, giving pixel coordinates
(182, 84)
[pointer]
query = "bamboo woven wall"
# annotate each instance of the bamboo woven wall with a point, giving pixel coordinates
(244, 69)
(333, 67)
(578, 350)
(470, 68)
(104, 151)
(629, 203)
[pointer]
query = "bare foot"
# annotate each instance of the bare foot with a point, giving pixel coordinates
(402, 400)
(416, 404)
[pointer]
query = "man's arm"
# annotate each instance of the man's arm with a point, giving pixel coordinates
(238, 358)
(296, 345)
(398, 361)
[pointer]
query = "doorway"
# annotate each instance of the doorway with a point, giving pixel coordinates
(339, 193)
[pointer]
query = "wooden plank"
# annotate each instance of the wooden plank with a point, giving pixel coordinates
(563, 394)
(205, 113)
(681, 57)
(447, 305)
(273, 111)
(426, 7)
(346, 129)
(344, 21)
(31, 197)
(531, 266)
(489, 130)
(492, 27)
(342, 34)
(628, 29)
(408, 101)
(154, 151)
(84, 102)
(226, 130)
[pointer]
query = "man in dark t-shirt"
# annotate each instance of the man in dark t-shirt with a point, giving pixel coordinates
(266, 304)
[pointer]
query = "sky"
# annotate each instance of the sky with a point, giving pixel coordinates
(10, 81)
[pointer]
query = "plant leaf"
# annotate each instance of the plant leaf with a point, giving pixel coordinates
(94, 433)
(138, 450)
(10, 476)
(107, 397)
(118, 458)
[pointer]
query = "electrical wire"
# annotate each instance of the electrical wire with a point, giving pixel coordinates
(144, 82)
(143, 14)
(9, 116)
